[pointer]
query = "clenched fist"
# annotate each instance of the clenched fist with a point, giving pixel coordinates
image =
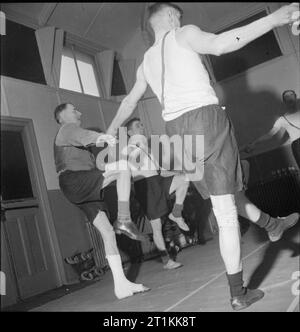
(285, 15)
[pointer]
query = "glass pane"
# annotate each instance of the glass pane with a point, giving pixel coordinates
(68, 75)
(87, 74)
(15, 176)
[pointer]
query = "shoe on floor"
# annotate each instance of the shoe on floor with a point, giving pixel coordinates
(180, 222)
(251, 296)
(171, 265)
(283, 225)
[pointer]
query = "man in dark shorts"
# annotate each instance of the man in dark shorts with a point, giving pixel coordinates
(153, 190)
(173, 69)
(82, 184)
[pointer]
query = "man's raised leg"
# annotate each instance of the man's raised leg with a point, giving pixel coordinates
(120, 172)
(275, 227)
(180, 185)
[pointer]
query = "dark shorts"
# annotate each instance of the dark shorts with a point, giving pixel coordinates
(222, 168)
(153, 193)
(84, 189)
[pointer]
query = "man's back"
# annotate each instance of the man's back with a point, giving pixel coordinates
(187, 84)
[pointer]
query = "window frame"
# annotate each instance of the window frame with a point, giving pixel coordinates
(73, 48)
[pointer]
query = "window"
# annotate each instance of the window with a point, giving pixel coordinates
(20, 57)
(258, 51)
(15, 176)
(117, 85)
(78, 73)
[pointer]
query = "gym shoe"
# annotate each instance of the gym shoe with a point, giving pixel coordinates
(128, 228)
(171, 265)
(180, 222)
(283, 225)
(250, 296)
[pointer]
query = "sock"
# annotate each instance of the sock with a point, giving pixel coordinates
(123, 210)
(267, 222)
(177, 210)
(115, 264)
(164, 256)
(236, 284)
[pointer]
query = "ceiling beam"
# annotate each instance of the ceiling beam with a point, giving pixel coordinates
(94, 19)
(46, 13)
(20, 18)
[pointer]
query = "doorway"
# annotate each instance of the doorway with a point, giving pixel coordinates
(30, 256)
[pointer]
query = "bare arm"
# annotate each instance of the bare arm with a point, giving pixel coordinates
(275, 129)
(129, 103)
(267, 136)
(229, 41)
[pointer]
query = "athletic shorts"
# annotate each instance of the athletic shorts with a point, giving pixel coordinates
(153, 194)
(84, 189)
(222, 169)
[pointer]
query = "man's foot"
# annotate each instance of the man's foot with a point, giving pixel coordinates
(251, 296)
(128, 228)
(180, 222)
(283, 225)
(171, 265)
(129, 289)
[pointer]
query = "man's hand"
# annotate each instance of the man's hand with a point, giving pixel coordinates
(285, 15)
(249, 147)
(109, 139)
(111, 131)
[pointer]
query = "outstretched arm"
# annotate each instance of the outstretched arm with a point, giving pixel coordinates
(129, 103)
(275, 129)
(229, 41)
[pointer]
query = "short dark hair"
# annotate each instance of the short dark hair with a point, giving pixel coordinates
(129, 123)
(158, 6)
(59, 109)
(288, 91)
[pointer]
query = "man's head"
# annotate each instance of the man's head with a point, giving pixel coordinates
(135, 127)
(67, 113)
(164, 15)
(289, 98)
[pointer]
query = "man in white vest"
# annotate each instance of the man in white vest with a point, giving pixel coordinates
(173, 69)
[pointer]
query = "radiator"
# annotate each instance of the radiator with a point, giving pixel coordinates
(279, 195)
(98, 246)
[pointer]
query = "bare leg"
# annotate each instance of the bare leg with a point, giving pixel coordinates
(180, 185)
(120, 172)
(161, 246)
(246, 208)
(229, 232)
(274, 226)
(122, 286)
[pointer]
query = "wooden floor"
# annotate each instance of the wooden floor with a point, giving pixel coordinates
(201, 285)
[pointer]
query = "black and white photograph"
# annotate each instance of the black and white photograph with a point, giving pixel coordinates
(150, 160)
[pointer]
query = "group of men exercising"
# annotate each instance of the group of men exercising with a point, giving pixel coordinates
(173, 69)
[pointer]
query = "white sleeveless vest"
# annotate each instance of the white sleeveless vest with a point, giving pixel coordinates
(187, 84)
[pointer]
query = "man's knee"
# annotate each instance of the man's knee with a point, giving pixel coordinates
(225, 210)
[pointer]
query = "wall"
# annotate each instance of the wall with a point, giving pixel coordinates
(37, 102)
